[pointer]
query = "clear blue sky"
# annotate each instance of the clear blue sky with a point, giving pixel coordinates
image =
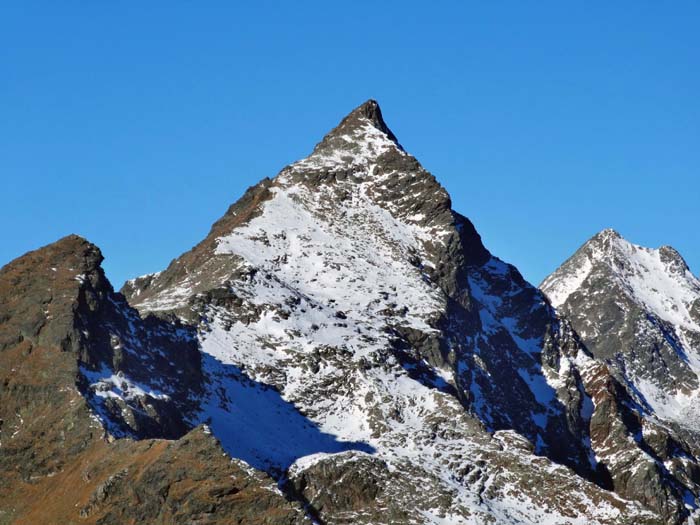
(547, 121)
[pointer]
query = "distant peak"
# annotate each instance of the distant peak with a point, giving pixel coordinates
(605, 240)
(608, 233)
(609, 246)
(609, 238)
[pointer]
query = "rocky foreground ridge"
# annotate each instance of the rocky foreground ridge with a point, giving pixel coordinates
(342, 348)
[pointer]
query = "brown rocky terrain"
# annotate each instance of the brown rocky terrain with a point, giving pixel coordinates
(58, 463)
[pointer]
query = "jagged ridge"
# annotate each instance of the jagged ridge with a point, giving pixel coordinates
(636, 310)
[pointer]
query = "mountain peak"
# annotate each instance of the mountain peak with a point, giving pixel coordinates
(605, 240)
(357, 141)
(659, 279)
(608, 243)
(608, 233)
(71, 251)
(368, 111)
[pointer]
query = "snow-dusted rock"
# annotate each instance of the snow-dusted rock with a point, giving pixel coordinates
(635, 310)
(354, 327)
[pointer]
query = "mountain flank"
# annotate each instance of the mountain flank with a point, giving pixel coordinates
(342, 348)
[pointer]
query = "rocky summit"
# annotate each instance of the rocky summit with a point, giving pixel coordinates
(343, 349)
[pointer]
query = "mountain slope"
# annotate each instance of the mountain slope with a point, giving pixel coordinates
(79, 368)
(342, 348)
(347, 297)
(636, 309)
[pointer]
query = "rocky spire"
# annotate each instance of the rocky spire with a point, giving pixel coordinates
(360, 139)
(368, 111)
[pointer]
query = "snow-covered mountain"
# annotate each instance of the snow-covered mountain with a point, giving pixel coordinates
(343, 332)
(349, 285)
(638, 310)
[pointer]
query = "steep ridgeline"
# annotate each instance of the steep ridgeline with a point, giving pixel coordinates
(79, 368)
(362, 346)
(638, 311)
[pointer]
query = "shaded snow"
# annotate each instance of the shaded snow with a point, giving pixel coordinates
(559, 289)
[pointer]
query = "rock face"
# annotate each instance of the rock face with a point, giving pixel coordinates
(347, 296)
(59, 297)
(635, 309)
(346, 337)
(635, 306)
(78, 368)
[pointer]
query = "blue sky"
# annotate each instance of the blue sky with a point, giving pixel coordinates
(547, 121)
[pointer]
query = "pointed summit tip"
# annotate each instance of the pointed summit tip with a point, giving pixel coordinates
(606, 239)
(371, 110)
(358, 140)
(368, 111)
(608, 233)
